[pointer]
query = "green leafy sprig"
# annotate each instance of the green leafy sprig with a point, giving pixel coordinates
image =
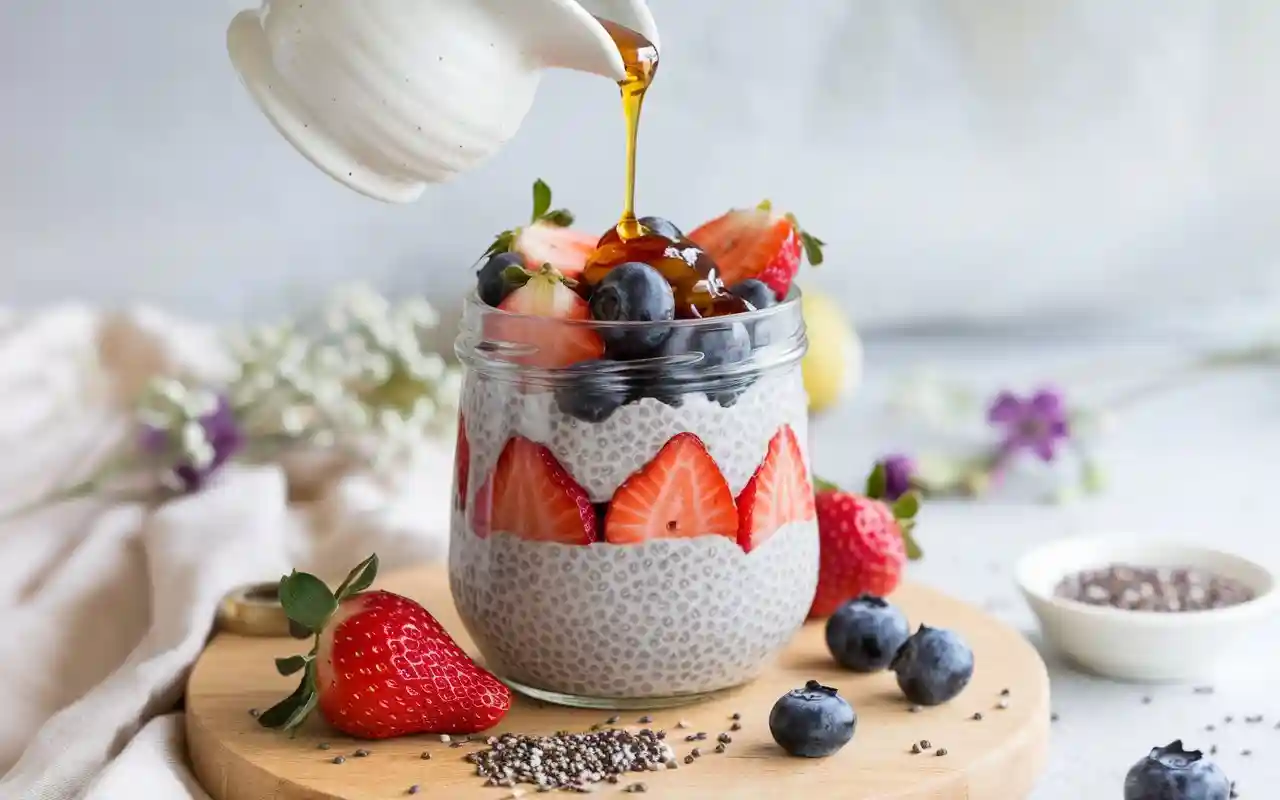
(542, 212)
(309, 605)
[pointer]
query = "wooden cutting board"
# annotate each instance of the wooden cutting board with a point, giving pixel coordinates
(995, 758)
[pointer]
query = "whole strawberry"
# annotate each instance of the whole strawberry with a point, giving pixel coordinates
(863, 542)
(381, 665)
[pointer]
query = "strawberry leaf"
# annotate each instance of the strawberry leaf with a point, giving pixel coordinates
(299, 631)
(290, 665)
(877, 483)
(764, 205)
(819, 485)
(290, 712)
(914, 553)
(306, 600)
(358, 579)
(907, 506)
(541, 199)
(812, 248)
(561, 218)
(515, 277)
(502, 244)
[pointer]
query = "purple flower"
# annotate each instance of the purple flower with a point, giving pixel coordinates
(898, 471)
(197, 462)
(1038, 423)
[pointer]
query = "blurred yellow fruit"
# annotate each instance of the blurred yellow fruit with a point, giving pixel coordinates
(833, 366)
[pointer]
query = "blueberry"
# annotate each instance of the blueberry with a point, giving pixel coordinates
(812, 722)
(591, 393)
(721, 346)
(1172, 773)
(492, 286)
(663, 228)
(633, 292)
(933, 666)
(864, 634)
(755, 292)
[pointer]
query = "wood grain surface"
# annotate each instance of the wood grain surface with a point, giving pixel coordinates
(996, 758)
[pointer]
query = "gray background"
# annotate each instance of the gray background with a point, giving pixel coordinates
(988, 160)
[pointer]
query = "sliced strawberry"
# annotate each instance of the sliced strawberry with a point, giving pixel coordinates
(566, 249)
(532, 496)
(543, 322)
(778, 493)
(547, 239)
(679, 494)
(461, 466)
(758, 243)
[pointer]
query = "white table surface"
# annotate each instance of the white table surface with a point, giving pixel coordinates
(1198, 462)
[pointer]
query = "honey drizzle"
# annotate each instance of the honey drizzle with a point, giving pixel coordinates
(640, 58)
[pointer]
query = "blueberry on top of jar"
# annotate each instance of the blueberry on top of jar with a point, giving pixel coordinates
(633, 292)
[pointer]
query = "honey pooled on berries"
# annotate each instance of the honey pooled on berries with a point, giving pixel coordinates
(694, 278)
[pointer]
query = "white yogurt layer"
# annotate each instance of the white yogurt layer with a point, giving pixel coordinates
(600, 456)
(655, 619)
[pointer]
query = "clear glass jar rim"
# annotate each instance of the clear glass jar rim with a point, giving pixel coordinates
(474, 305)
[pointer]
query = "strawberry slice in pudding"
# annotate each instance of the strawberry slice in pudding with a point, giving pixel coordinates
(680, 494)
(532, 496)
(777, 494)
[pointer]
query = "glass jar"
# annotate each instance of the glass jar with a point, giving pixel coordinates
(632, 534)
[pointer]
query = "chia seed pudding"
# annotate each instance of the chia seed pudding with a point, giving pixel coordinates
(657, 618)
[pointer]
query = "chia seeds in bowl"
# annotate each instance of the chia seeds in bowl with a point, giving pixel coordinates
(1130, 587)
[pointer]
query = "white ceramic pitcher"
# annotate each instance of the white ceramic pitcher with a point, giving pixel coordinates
(388, 96)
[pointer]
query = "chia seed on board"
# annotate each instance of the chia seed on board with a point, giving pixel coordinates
(1160, 589)
(570, 761)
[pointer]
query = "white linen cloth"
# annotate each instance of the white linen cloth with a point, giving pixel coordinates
(105, 605)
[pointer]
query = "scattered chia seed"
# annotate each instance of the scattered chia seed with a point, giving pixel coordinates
(1228, 719)
(977, 716)
(1213, 749)
(737, 726)
(322, 746)
(1253, 720)
(672, 764)
(645, 720)
(253, 712)
(914, 709)
(425, 756)
(446, 738)
(926, 744)
(735, 716)
(662, 734)
(1005, 692)
(942, 751)
(339, 760)
(1159, 589)
(1211, 728)
(915, 748)
(570, 761)
(696, 753)
(456, 744)
(612, 720)
(720, 748)
(1246, 752)
(693, 737)
(724, 738)
(1053, 717)
(414, 789)
(1003, 704)
(1146, 701)
(636, 788)
(682, 724)
(688, 759)
(1203, 690)
(361, 753)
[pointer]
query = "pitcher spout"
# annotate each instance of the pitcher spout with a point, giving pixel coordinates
(568, 34)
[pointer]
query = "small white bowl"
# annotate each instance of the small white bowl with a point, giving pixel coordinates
(1142, 646)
